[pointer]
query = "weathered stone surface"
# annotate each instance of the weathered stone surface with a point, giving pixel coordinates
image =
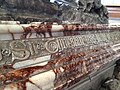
(114, 82)
(111, 84)
(27, 10)
(83, 11)
(88, 11)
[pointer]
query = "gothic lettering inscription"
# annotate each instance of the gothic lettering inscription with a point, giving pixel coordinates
(17, 50)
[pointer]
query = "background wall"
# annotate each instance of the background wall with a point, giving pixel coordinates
(111, 2)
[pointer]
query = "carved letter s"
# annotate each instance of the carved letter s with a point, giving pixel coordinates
(19, 51)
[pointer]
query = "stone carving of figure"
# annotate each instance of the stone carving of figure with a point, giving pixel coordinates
(85, 5)
(111, 84)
